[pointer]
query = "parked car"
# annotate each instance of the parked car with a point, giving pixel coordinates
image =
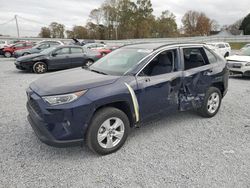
(37, 48)
(244, 47)
(3, 44)
(240, 64)
(81, 42)
(222, 48)
(8, 51)
(55, 58)
(6, 43)
(102, 48)
(124, 89)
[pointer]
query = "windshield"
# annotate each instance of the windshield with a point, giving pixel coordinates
(119, 61)
(246, 51)
(48, 50)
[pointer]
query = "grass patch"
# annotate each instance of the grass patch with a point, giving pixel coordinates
(237, 45)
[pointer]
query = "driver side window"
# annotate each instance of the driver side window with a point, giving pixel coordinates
(163, 63)
(62, 51)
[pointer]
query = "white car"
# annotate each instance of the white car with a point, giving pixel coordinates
(221, 48)
(3, 43)
(244, 47)
(240, 64)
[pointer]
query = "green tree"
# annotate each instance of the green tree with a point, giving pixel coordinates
(245, 25)
(44, 33)
(144, 19)
(166, 25)
(57, 30)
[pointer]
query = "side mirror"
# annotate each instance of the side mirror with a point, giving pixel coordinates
(54, 54)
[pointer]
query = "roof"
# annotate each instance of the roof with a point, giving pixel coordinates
(155, 46)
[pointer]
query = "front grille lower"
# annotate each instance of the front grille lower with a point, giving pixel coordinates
(33, 104)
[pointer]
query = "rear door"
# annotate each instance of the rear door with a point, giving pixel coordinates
(76, 57)
(59, 59)
(197, 76)
(159, 84)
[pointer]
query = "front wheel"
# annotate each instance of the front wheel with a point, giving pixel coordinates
(7, 54)
(212, 102)
(108, 131)
(40, 67)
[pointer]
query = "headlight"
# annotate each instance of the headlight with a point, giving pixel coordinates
(63, 99)
(247, 64)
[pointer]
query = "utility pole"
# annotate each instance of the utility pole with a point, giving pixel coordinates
(17, 27)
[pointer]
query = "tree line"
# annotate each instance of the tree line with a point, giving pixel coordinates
(127, 19)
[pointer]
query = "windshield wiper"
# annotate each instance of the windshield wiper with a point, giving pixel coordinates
(99, 72)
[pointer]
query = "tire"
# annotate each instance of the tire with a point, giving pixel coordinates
(226, 55)
(89, 62)
(7, 54)
(40, 67)
(211, 103)
(101, 128)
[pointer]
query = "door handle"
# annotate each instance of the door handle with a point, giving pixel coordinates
(147, 79)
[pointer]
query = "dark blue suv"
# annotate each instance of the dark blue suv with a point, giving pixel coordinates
(131, 85)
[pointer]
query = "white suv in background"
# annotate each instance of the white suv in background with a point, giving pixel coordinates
(221, 48)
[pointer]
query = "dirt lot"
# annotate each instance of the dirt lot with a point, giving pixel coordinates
(181, 150)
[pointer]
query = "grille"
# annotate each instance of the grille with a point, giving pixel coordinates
(35, 106)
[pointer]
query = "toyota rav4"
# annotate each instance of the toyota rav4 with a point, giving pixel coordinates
(100, 104)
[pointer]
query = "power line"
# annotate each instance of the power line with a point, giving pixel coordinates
(7, 21)
(30, 20)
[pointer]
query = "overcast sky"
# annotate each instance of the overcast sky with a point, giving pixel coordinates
(76, 12)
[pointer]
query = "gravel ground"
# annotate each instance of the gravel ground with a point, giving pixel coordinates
(181, 150)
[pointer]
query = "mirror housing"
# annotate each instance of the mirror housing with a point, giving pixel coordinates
(54, 54)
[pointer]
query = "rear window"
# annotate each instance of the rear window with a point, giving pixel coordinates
(220, 45)
(194, 57)
(76, 50)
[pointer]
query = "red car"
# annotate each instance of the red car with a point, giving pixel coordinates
(8, 51)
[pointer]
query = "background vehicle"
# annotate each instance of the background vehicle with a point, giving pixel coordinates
(124, 89)
(240, 64)
(81, 42)
(244, 47)
(222, 48)
(102, 48)
(55, 58)
(8, 51)
(37, 48)
(3, 44)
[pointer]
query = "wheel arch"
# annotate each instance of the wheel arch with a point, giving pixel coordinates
(124, 106)
(220, 86)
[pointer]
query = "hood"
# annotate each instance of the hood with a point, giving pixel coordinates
(239, 58)
(29, 57)
(70, 81)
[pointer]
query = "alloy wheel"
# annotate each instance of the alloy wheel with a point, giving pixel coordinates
(110, 133)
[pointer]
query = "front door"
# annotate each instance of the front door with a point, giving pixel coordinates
(159, 84)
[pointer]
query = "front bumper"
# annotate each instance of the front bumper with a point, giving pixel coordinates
(23, 66)
(59, 127)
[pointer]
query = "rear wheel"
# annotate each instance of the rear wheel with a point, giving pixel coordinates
(89, 62)
(40, 67)
(108, 131)
(7, 54)
(211, 103)
(226, 55)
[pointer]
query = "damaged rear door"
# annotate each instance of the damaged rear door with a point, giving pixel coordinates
(197, 77)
